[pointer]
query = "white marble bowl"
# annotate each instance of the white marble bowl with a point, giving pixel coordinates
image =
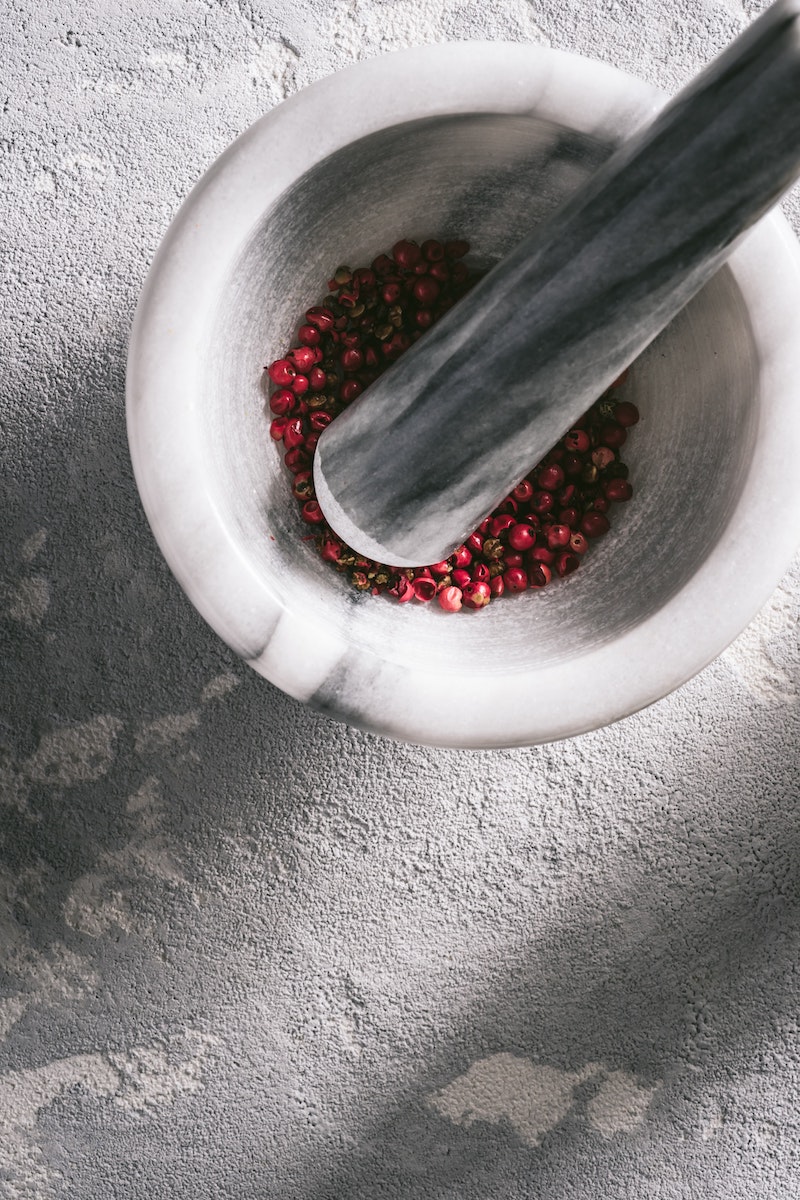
(476, 140)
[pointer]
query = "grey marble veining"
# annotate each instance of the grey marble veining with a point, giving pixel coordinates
(415, 464)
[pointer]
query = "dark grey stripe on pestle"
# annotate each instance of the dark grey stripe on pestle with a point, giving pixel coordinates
(409, 470)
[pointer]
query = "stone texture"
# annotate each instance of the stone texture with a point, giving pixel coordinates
(246, 951)
(493, 386)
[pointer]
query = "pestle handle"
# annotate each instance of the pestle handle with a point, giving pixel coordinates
(417, 461)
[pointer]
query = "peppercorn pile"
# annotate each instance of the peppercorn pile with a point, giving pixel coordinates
(371, 316)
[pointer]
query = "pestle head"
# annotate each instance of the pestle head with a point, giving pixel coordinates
(416, 462)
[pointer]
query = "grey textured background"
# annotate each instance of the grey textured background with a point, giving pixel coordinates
(247, 952)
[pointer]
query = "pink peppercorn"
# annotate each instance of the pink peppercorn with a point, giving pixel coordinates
(294, 433)
(567, 562)
(302, 357)
(594, 524)
(450, 599)
(550, 478)
(539, 575)
(312, 512)
(282, 402)
(321, 318)
(626, 414)
(515, 579)
(406, 253)
(618, 489)
(521, 536)
(281, 372)
(476, 595)
(424, 589)
(557, 536)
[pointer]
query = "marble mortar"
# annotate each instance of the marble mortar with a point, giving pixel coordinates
(480, 140)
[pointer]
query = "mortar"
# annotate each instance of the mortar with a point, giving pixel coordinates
(453, 141)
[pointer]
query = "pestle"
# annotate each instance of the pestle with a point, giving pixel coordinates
(419, 459)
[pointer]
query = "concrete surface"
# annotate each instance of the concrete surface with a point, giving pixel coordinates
(247, 952)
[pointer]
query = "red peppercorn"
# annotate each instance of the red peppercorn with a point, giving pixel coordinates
(302, 358)
(352, 360)
(513, 559)
(282, 402)
(463, 556)
(499, 525)
(594, 524)
(557, 536)
(433, 250)
(523, 491)
(543, 502)
(626, 414)
(424, 589)
(299, 385)
(613, 434)
(539, 575)
(476, 595)
(461, 576)
(521, 536)
(550, 478)
(294, 434)
(569, 516)
(277, 428)
(509, 505)
(318, 420)
(567, 562)
(309, 335)
(480, 573)
(406, 253)
(573, 464)
(450, 599)
(426, 290)
(474, 543)
(423, 318)
(383, 265)
(321, 318)
(602, 457)
(331, 550)
(456, 249)
(618, 489)
(515, 579)
(310, 444)
(297, 459)
(601, 504)
(391, 293)
(317, 379)
(439, 271)
(350, 389)
(303, 487)
(440, 568)
(542, 554)
(363, 277)
(578, 543)
(497, 586)
(577, 440)
(312, 512)
(281, 372)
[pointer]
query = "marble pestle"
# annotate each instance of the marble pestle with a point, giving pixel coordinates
(417, 461)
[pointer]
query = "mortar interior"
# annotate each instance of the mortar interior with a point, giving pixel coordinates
(489, 178)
